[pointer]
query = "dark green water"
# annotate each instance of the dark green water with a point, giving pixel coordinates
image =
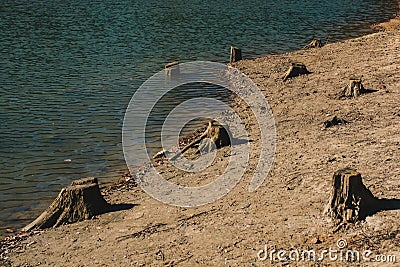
(69, 68)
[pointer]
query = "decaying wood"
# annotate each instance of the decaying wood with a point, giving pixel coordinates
(315, 43)
(355, 88)
(334, 121)
(80, 201)
(236, 54)
(160, 154)
(350, 199)
(296, 69)
(215, 132)
(172, 69)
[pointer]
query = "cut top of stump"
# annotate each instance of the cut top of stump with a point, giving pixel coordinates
(171, 64)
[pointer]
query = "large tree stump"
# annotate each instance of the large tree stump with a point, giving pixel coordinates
(236, 54)
(350, 199)
(80, 201)
(296, 69)
(215, 132)
(355, 88)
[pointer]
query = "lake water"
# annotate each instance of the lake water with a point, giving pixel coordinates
(69, 68)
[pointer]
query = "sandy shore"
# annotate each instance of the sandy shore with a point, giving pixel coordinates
(286, 211)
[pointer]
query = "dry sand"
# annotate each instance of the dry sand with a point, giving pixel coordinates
(286, 211)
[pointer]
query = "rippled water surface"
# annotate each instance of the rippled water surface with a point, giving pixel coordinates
(69, 68)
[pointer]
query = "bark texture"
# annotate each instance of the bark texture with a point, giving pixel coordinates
(80, 201)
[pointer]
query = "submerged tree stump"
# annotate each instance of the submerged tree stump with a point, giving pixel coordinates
(350, 199)
(355, 88)
(296, 69)
(315, 43)
(236, 54)
(216, 133)
(172, 69)
(80, 201)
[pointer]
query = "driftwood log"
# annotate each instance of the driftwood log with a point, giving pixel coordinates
(296, 69)
(217, 134)
(350, 199)
(315, 43)
(236, 54)
(80, 201)
(355, 88)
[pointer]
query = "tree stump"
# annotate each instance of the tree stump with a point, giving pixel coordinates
(172, 69)
(355, 88)
(80, 201)
(334, 121)
(315, 43)
(217, 136)
(296, 69)
(350, 199)
(215, 132)
(236, 54)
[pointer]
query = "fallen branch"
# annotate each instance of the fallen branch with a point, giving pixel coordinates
(215, 132)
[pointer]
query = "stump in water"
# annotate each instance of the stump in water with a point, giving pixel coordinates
(80, 201)
(295, 70)
(315, 43)
(217, 134)
(172, 69)
(355, 88)
(236, 54)
(350, 199)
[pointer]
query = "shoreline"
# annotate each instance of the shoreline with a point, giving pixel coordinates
(113, 180)
(279, 64)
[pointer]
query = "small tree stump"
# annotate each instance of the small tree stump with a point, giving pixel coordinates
(315, 43)
(80, 201)
(334, 121)
(355, 88)
(350, 200)
(172, 69)
(236, 54)
(296, 69)
(217, 136)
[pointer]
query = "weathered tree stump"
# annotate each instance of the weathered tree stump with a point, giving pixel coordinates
(80, 201)
(236, 54)
(350, 199)
(296, 69)
(217, 136)
(172, 69)
(315, 43)
(215, 132)
(355, 88)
